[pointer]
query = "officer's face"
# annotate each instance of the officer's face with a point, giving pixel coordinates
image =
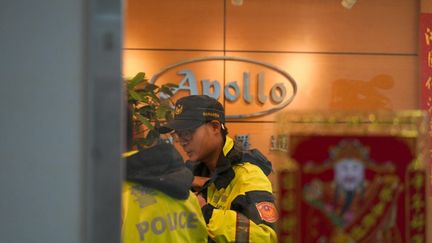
(198, 144)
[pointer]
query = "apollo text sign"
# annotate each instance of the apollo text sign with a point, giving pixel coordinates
(250, 88)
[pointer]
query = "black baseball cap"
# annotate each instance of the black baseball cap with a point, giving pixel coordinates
(192, 111)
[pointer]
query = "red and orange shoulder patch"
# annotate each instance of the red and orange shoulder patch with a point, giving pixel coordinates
(267, 211)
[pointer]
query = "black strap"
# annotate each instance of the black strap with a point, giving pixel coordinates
(246, 204)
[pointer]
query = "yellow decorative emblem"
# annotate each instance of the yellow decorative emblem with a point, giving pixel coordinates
(178, 110)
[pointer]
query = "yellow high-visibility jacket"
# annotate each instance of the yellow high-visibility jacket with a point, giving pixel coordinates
(240, 204)
(157, 204)
(152, 216)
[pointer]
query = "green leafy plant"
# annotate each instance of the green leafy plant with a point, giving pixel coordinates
(148, 109)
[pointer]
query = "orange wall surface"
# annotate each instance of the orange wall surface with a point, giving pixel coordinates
(364, 58)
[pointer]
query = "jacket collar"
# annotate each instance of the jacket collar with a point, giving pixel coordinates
(224, 172)
(229, 144)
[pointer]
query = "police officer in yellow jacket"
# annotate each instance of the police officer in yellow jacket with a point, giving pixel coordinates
(233, 188)
(157, 204)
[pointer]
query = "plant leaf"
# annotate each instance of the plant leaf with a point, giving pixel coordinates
(150, 87)
(148, 112)
(167, 90)
(135, 96)
(171, 85)
(153, 96)
(145, 121)
(136, 80)
(151, 106)
(162, 110)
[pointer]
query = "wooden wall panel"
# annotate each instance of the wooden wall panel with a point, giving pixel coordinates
(363, 58)
(151, 62)
(322, 80)
(186, 24)
(378, 26)
(426, 6)
(330, 51)
(259, 135)
(325, 82)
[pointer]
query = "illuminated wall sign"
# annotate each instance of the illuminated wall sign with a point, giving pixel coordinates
(277, 94)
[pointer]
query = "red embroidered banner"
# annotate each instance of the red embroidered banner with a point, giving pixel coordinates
(289, 195)
(352, 189)
(425, 56)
